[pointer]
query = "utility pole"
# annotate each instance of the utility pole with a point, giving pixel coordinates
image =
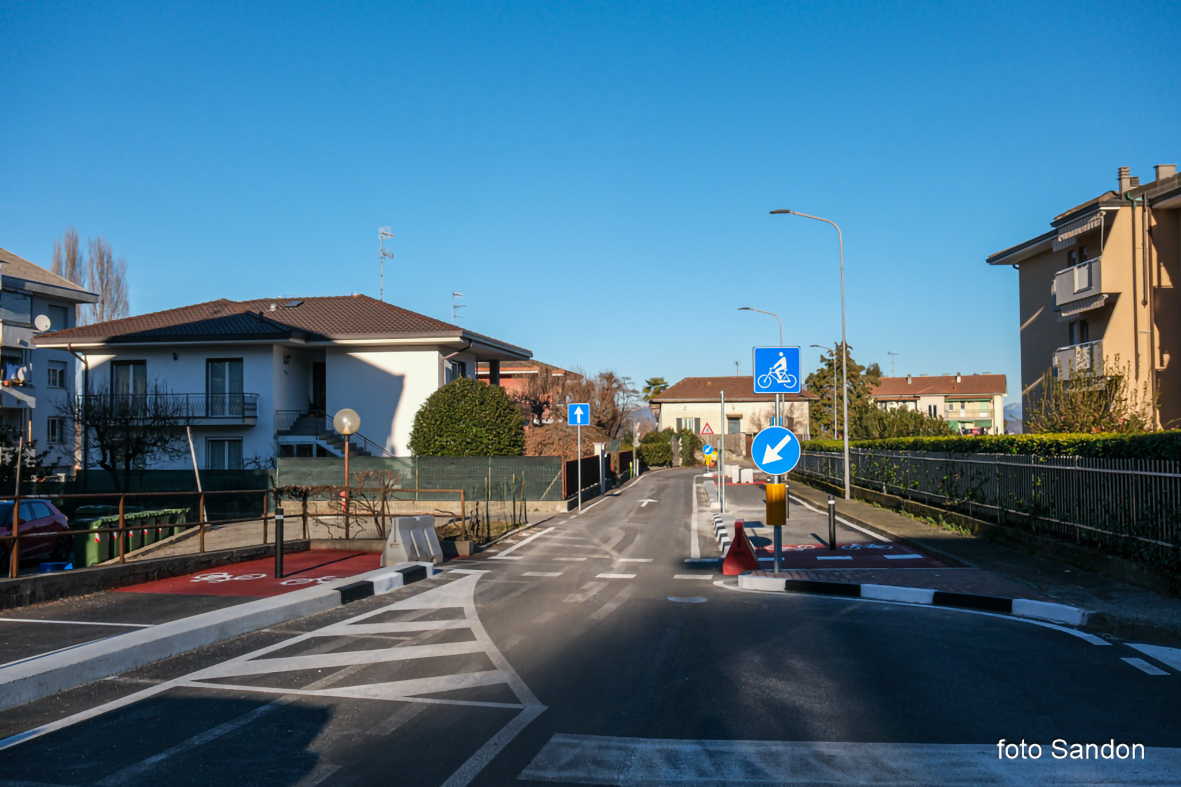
(382, 256)
(455, 306)
(892, 357)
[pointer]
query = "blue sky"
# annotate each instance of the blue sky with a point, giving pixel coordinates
(595, 178)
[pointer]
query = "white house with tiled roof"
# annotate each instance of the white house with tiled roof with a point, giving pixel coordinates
(695, 402)
(972, 403)
(34, 300)
(261, 378)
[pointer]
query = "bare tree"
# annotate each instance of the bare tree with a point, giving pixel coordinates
(611, 399)
(107, 277)
(542, 396)
(68, 261)
(126, 430)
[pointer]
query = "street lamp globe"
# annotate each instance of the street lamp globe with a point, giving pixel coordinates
(346, 421)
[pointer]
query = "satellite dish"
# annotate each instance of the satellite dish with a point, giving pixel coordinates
(42, 323)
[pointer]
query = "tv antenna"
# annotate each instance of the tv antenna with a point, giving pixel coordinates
(455, 306)
(382, 255)
(892, 357)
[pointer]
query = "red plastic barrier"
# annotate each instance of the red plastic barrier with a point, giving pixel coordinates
(741, 556)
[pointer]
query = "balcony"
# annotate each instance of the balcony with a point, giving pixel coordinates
(1078, 358)
(199, 409)
(1078, 282)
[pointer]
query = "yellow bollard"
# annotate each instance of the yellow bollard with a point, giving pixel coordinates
(776, 504)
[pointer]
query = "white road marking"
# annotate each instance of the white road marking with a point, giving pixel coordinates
(467, 570)
(616, 576)
(834, 557)
(634, 560)
(570, 559)
(592, 759)
(613, 604)
(586, 592)
(523, 542)
(644, 503)
(459, 593)
(1145, 667)
(910, 556)
(694, 548)
(1170, 656)
(542, 574)
(706, 577)
(77, 623)
(506, 557)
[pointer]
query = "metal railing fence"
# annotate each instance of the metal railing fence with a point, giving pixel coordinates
(182, 406)
(1109, 501)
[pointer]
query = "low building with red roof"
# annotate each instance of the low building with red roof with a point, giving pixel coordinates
(971, 403)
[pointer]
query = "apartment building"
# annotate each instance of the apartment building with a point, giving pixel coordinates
(33, 381)
(970, 403)
(1098, 290)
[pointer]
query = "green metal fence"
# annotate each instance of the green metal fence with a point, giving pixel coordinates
(496, 478)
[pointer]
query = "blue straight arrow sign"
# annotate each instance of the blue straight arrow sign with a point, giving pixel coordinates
(579, 414)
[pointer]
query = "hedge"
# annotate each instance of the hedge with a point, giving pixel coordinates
(1148, 445)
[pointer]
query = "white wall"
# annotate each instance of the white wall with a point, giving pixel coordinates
(292, 380)
(386, 386)
(711, 413)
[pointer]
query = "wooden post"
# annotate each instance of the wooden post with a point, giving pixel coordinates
(264, 518)
(201, 520)
(14, 556)
(304, 514)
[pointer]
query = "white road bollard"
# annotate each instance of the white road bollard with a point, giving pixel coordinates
(748, 475)
(412, 539)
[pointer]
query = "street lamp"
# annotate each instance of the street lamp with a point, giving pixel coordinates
(776, 316)
(844, 343)
(346, 422)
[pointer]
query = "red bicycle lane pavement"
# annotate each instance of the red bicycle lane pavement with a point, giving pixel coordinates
(256, 579)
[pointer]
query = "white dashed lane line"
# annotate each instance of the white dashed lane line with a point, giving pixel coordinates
(570, 559)
(694, 576)
(542, 574)
(615, 576)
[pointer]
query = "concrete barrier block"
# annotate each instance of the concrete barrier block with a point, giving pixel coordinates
(748, 475)
(890, 593)
(752, 582)
(412, 539)
(1044, 610)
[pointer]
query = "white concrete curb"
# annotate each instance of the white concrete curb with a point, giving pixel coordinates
(1019, 607)
(56, 672)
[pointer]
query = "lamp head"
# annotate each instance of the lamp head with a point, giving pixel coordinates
(744, 309)
(783, 210)
(346, 421)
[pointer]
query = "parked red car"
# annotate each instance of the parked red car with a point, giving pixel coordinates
(37, 516)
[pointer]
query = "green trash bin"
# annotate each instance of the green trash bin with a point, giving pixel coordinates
(90, 549)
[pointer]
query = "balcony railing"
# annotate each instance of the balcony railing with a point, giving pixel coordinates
(183, 407)
(1078, 281)
(1078, 358)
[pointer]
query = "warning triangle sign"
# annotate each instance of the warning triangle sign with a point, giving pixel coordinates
(707, 430)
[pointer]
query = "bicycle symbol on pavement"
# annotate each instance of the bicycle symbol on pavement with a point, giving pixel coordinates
(222, 576)
(308, 580)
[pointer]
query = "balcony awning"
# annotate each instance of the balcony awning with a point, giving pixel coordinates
(1069, 232)
(1071, 310)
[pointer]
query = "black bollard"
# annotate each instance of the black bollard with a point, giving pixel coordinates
(832, 523)
(279, 544)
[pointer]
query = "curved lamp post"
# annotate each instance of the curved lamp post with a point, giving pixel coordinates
(776, 316)
(844, 343)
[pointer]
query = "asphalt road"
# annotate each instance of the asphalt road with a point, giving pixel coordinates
(589, 652)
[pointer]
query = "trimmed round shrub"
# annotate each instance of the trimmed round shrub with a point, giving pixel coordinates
(468, 418)
(656, 450)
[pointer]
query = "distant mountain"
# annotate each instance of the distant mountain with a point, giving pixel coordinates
(643, 415)
(1013, 419)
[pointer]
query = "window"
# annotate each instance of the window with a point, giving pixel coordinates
(16, 308)
(692, 424)
(56, 431)
(59, 317)
(57, 374)
(129, 378)
(454, 370)
(733, 424)
(933, 410)
(223, 454)
(223, 384)
(1080, 332)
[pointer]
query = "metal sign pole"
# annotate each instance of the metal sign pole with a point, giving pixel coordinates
(579, 427)
(722, 456)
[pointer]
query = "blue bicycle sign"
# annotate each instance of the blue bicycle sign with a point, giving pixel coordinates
(777, 370)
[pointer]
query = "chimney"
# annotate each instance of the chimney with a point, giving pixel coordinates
(1125, 180)
(1135, 181)
(908, 379)
(958, 379)
(1165, 171)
